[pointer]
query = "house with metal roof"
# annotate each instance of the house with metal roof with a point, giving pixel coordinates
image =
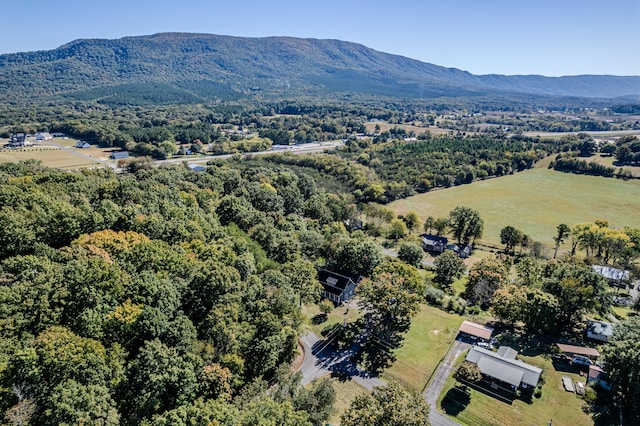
(117, 155)
(578, 350)
(475, 331)
(337, 287)
(599, 330)
(503, 370)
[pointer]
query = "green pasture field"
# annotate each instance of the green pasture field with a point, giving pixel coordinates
(564, 408)
(534, 201)
(427, 341)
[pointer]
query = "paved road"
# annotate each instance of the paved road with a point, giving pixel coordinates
(320, 359)
(436, 386)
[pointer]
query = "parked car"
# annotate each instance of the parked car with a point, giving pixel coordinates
(581, 360)
(484, 345)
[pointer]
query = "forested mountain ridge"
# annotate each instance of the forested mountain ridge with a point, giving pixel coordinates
(193, 67)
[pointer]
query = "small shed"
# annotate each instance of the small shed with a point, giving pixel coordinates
(83, 144)
(599, 376)
(475, 331)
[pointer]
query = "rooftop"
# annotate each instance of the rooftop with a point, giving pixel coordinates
(477, 330)
(501, 366)
(578, 350)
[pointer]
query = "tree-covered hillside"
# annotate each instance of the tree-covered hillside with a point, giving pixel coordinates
(192, 67)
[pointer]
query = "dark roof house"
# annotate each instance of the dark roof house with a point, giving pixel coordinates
(337, 287)
(503, 369)
(434, 243)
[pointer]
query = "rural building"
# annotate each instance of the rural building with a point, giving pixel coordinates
(473, 331)
(119, 155)
(337, 287)
(434, 243)
(58, 135)
(83, 144)
(503, 370)
(43, 136)
(616, 277)
(197, 167)
(18, 140)
(578, 350)
(599, 330)
(599, 376)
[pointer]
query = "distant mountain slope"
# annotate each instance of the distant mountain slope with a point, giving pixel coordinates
(202, 66)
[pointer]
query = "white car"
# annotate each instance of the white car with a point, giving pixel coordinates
(581, 360)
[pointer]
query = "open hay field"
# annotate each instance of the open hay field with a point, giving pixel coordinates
(58, 153)
(52, 157)
(535, 201)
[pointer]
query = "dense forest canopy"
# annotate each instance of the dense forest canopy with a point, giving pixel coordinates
(155, 291)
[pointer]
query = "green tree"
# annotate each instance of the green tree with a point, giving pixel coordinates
(358, 256)
(449, 267)
(406, 275)
(72, 403)
(578, 289)
(388, 306)
(440, 225)
(411, 220)
(411, 253)
(428, 224)
(469, 372)
(562, 234)
(159, 379)
(510, 237)
(466, 224)
(397, 229)
(389, 406)
(317, 401)
(303, 278)
(621, 359)
(485, 277)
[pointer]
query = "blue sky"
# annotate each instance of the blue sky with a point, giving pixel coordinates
(553, 38)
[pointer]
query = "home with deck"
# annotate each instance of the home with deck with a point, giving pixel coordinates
(502, 371)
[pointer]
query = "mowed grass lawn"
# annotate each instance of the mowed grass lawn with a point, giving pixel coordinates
(564, 408)
(534, 201)
(432, 331)
(51, 157)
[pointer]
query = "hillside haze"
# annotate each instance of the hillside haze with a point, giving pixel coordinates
(181, 67)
